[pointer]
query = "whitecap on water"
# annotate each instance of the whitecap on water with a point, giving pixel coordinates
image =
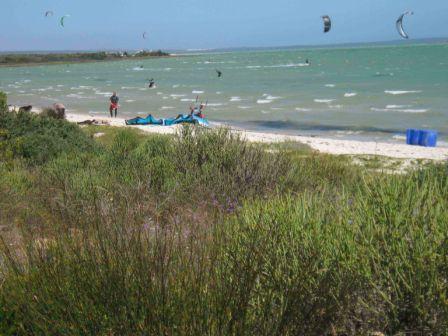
(302, 109)
(167, 108)
(401, 92)
(244, 107)
(264, 101)
(350, 94)
(324, 101)
(399, 110)
(235, 99)
(330, 85)
(129, 101)
(187, 100)
(175, 96)
(197, 92)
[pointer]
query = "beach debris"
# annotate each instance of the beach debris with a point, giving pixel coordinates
(399, 24)
(62, 20)
(26, 108)
(327, 23)
(93, 122)
(49, 13)
(144, 35)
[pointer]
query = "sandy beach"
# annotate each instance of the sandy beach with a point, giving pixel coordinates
(320, 144)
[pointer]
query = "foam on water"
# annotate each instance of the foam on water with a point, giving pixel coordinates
(399, 110)
(197, 92)
(401, 92)
(302, 109)
(350, 94)
(330, 85)
(235, 99)
(324, 101)
(264, 101)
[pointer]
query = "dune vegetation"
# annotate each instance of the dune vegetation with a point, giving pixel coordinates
(203, 233)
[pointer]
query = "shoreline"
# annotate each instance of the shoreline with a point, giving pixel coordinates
(319, 144)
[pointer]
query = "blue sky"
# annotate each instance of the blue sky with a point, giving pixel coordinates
(191, 24)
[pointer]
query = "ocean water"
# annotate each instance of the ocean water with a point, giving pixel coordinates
(361, 92)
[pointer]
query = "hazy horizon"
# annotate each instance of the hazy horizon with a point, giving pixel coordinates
(430, 40)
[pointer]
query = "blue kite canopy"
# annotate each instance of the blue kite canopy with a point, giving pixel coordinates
(180, 119)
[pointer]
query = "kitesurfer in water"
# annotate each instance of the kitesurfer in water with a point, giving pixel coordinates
(114, 104)
(307, 62)
(219, 73)
(152, 83)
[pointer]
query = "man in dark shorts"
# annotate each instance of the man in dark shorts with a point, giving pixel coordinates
(114, 104)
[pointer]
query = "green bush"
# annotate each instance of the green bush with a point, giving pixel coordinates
(51, 112)
(3, 102)
(204, 233)
(39, 139)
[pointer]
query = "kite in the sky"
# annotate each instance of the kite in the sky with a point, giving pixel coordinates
(48, 13)
(145, 34)
(62, 21)
(400, 24)
(327, 23)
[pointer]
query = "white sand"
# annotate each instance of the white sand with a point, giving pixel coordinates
(321, 144)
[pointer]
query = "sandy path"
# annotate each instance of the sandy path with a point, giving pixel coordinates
(321, 144)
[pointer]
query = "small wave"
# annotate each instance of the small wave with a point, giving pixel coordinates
(99, 93)
(138, 69)
(330, 85)
(129, 88)
(77, 96)
(129, 101)
(399, 137)
(264, 101)
(235, 99)
(397, 106)
(167, 108)
(167, 69)
(289, 65)
(348, 132)
(197, 92)
(215, 104)
(175, 96)
(253, 67)
(336, 106)
(399, 110)
(265, 112)
(350, 94)
(176, 86)
(187, 100)
(244, 107)
(302, 109)
(218, 92)
(324, 101)
(269, 97)
(401, 92)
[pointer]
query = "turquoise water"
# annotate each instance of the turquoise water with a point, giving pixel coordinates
(365, 92)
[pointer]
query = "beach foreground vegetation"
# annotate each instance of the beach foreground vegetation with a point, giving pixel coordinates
(204, 233)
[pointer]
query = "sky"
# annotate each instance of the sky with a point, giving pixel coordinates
(210, 24)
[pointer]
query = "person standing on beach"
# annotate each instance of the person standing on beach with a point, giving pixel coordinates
(114, 104)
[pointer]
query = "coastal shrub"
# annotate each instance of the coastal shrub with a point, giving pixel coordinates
(204, 233)
(3, 102)
(38, 138)
(51, 112)
(227, 167)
